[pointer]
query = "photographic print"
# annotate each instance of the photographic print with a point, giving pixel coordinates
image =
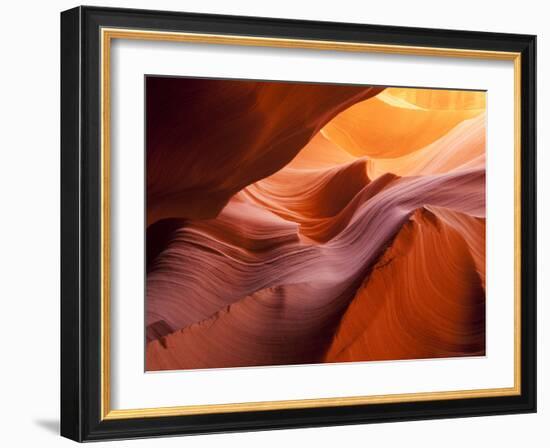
(300, 223)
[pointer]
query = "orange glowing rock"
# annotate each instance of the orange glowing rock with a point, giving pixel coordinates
(423, 299)
(390, 125)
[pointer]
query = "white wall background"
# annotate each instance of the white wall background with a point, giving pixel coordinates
(29, 225)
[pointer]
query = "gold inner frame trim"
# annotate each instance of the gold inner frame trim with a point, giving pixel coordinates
(107, 35)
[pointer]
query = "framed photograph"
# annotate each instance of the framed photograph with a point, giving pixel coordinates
(275, 224)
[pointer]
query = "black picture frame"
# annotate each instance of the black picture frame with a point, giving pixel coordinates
(81, 224)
